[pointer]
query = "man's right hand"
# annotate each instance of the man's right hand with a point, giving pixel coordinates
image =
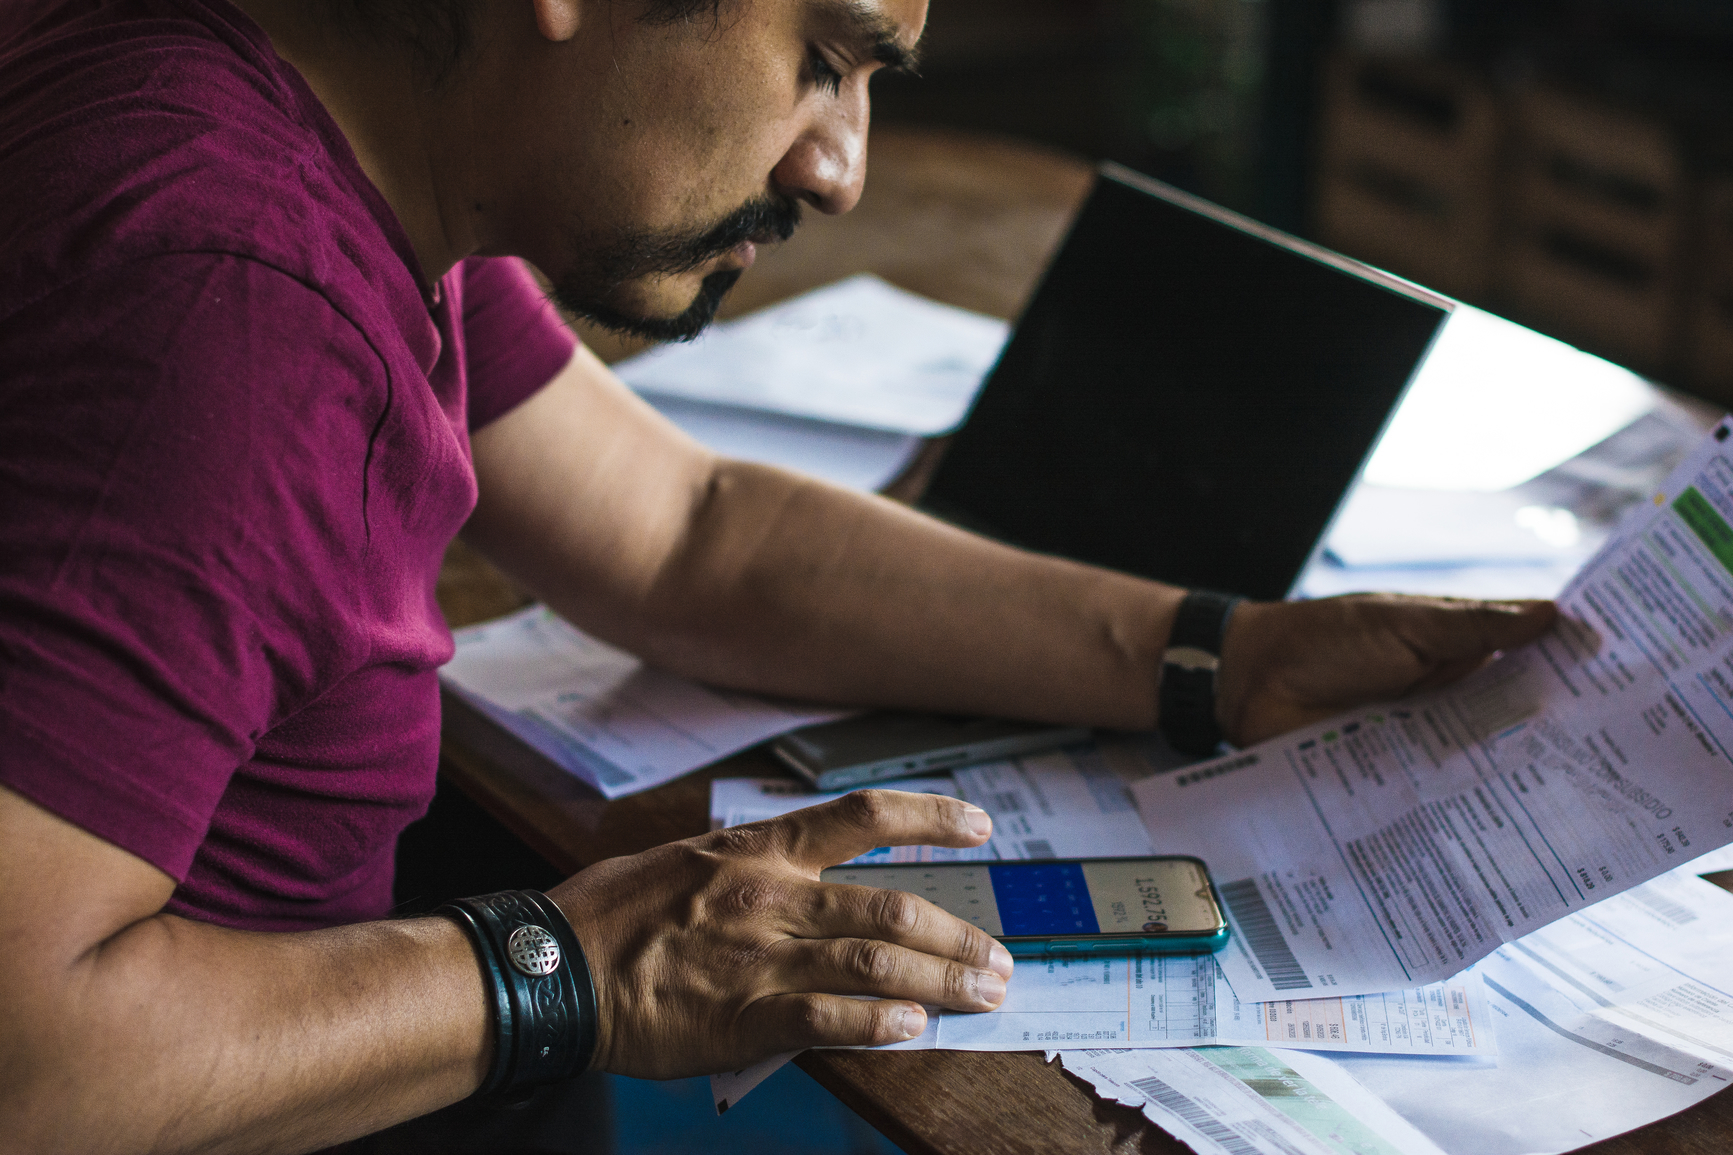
(715, 952)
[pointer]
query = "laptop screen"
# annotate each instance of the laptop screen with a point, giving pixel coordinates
(1187, 398)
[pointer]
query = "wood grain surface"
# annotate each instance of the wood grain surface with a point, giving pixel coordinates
(972, 222)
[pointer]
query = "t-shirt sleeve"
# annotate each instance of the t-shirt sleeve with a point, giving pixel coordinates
(183, 451)
(514, 341)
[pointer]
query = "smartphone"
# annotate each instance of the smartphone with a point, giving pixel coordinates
(1165, 905)
(885, 744)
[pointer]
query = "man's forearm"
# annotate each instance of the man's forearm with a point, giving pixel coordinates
(760, 579)
(174, 1035)
(793, 587)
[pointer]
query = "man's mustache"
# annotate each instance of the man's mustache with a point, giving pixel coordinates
(764, 220)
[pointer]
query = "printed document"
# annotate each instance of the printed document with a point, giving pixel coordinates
(1608, 1020)
(1160, 1001)
(601, 713)
(1069, 803)
(859, 352)
(1399, 844)
(1072, 804)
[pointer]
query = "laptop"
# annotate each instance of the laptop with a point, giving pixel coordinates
(1189, 397)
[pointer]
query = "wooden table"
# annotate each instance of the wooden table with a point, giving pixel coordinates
(971, 222)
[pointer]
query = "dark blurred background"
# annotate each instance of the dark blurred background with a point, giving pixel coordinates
(1568, 163)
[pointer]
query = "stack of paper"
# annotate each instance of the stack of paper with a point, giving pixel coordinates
(840, 383)
(600, 713)
(1609, 1020)
(1076, 803)
(1516, 855)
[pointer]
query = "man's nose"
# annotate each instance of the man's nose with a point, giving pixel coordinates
(826, 165)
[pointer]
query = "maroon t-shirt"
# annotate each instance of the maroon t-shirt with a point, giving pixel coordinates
(234, 443)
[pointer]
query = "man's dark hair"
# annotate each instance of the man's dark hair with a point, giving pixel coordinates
(439, 30)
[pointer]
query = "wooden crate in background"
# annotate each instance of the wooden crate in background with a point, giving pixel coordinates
(1408, 172)
(1711, 310)
(1600, 204)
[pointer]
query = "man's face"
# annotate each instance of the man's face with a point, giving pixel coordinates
(691, 143)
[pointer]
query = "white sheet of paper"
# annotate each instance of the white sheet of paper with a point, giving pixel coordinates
(1155, 1001)
(600, 712)
(1384, 527)
(1400, 843)
(730, 1087)
(1070, 803)
(1247, 1101)
(859, 352)
(1715, 860)
(1494, 582)
(1512, 543)
(846, 455)
(1608, 1020)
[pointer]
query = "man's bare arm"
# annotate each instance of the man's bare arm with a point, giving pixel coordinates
(757, 578)
(754, 577)
(124, 1029)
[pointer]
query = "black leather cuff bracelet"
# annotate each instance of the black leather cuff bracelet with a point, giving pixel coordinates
(1188, 672)
(539, 990)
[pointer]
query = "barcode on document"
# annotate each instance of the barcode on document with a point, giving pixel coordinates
(1038, 848)
(1263, 936)
(1195, 1116)
(1665, 907)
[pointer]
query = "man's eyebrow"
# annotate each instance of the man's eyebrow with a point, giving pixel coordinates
(867, 22)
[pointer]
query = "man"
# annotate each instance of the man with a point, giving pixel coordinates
(245, 335)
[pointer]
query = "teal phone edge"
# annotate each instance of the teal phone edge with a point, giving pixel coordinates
(1072, 946)
(1194, 944)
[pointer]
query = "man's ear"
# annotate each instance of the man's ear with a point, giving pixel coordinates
(558, 20)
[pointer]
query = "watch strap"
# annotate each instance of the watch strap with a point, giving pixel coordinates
(1188, 671)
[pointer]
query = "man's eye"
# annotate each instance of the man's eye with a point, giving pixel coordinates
(824, 75)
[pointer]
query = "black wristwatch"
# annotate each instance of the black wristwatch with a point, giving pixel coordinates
(1188, 672)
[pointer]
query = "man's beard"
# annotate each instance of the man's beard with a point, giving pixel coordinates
(588, 290)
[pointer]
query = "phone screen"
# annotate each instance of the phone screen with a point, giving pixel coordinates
(1109, 896)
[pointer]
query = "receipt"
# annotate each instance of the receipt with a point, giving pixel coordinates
(1069, 803)
(601, 713)
(1400, 843)
(1063, 1004)
(1619, 1013)
(1609, 1019)
(1246, 1101)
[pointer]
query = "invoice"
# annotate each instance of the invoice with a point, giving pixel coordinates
(1400, 843)
(600, 712)
(1609, 1019)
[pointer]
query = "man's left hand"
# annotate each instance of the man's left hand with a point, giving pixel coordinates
(1286, 664)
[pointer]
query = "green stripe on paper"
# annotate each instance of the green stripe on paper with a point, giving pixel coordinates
(1707, 525)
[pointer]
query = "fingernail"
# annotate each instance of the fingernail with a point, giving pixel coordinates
(980, 822)
(999, 959)
(914, 1022)
(990, 988)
